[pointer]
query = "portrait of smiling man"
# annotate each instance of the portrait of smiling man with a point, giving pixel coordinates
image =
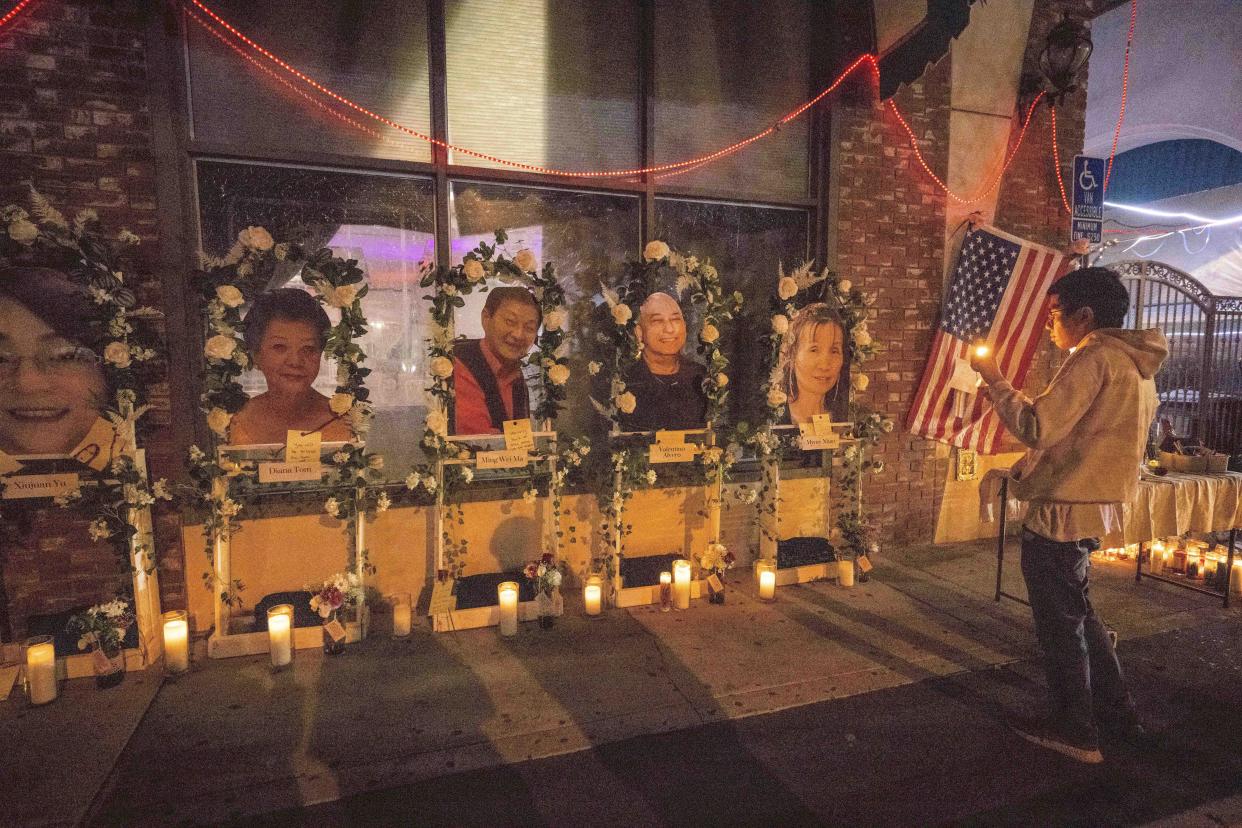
(667, 387)
(487, 373)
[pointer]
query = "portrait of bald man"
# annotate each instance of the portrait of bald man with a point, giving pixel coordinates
(667, 386)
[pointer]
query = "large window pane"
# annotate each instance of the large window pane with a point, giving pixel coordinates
(385, 222)
(585, 235)
(726, 69)
(746, 244)
(546, 82)
(374, 53)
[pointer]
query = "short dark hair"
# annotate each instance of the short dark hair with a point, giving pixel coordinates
(63, 305)
(289, 305)
(498, 296)
(1097, 288)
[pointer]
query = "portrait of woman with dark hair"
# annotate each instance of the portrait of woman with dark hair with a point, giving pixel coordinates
(52, 385)
(285, 331)
(813, 355)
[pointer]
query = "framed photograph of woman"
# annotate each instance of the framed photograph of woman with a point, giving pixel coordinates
(814, 365)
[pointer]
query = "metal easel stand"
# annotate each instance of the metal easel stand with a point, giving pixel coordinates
(1139, 574)
(1000, 546)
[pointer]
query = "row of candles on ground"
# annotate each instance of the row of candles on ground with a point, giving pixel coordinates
(1195, 560)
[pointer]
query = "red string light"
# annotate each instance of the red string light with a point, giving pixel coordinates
(12, 13)
(1056, 159)
(1125, 83)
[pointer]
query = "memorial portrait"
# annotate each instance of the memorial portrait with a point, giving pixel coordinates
(813, 365)
(666, 383)
(285, 331)
(52, 383)
(489, 386)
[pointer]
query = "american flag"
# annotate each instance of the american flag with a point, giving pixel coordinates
(998, 294)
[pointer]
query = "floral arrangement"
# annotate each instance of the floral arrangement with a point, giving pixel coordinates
(122, 335)
(716, 558)
(102, 626)
(545, 573)
(341, 591)
(794, 291)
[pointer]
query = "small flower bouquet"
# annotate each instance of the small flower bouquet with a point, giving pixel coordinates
(713, 561)
(101, 629)
(341, 591)
(547, 576)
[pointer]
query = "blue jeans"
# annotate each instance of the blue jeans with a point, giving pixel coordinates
(1084, 675)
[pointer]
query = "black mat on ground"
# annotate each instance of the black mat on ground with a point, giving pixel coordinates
(480, 590)
(54, 624)
(303, 615)
(803, 552)
(645, 571)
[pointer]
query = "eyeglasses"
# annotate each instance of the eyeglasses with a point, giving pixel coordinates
(56, 359)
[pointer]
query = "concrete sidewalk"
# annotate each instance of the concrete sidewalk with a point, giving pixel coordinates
(232, 739)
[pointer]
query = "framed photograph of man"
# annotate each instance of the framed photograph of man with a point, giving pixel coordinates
(666, 381)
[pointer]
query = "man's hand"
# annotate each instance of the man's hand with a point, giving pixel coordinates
(986, 366)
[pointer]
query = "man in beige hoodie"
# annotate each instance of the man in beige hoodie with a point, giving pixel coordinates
(1087, 434)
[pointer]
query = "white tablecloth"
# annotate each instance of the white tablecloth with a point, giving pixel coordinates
(1172, 505)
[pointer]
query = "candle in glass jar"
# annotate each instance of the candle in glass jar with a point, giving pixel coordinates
(1235, 578)
(593, 595)
(765, 573)
(176, 641)
(681, 584)
(507, 592)
(845, 572)
(280, 634)
(41, 670)
(1179, 559)
(402, 614)
(666, 591)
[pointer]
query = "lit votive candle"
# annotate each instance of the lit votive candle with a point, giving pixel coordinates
(176, 641)
(41, 670)
(593, 595)
(280, 634)
(666, 591)
(507, 593)
(767, 580)
(1235, 578)
(681, 584)
(845, 572)
(401, 614)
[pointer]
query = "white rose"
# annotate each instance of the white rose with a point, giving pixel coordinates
(651, 477)
(467, 473)
(780, 324)
(860, 382)
(383, 502)
(558, 374)
(655, 250)
(341, 297)
(220, 347)
(341, 403)
(218, 420)
(593, 367)
(412, 480)
(526, 262)
(255, 238)
(844, 286)
(332, 507)
(117, 353)
(862, 338)
(626, 403)
(777, 397)
(621, 314)
(473, 270)
(722, 380)
(709, 334)
(554, 320)
(437, 423)
(375, 461)
(23, 231)
(230, 296)
(786, 288)
(441, 367)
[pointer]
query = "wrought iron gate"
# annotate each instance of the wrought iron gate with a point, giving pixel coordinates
(1200, 385)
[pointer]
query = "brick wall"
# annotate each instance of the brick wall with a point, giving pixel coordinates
(890, 240)
(75, 124)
